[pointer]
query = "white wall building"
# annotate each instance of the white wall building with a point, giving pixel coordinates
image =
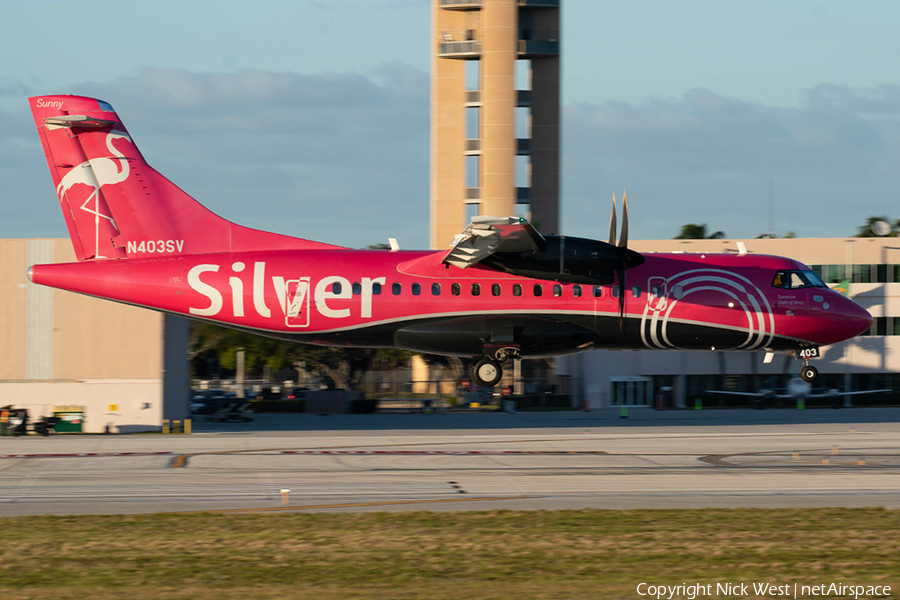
(126, 366)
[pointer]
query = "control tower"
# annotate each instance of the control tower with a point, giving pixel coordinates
(494, 113)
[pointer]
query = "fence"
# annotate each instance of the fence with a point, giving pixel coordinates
(536, 392)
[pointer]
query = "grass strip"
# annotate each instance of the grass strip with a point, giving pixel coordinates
(484, 555)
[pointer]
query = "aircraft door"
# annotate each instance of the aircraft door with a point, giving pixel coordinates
(294, 296)
(630, 390)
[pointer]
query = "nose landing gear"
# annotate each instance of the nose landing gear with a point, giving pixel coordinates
(808, 373)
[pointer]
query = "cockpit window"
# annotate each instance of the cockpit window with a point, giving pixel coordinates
(796, 279)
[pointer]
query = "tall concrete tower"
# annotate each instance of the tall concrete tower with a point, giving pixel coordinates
(494, 113)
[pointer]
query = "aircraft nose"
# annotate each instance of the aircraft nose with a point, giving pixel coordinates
(852, 319)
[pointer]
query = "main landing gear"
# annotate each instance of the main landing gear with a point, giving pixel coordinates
(488, 372)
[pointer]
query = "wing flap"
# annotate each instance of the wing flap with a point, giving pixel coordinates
(485, 236)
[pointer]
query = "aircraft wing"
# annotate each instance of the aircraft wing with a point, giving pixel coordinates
(486, 235)
(833, 393)
(766, 393)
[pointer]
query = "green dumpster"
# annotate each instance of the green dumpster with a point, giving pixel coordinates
(69, 419)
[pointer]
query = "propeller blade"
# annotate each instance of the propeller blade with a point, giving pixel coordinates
(622, 266)
(612, 223)
(620, 276)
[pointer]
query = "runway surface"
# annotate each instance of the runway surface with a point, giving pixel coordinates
(711, 458)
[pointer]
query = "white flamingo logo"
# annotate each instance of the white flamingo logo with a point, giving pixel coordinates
(95, 173)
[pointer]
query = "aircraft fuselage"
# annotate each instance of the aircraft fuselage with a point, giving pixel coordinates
(412, 300)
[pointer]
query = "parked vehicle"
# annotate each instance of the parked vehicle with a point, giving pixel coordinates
(45, 425)
(236, 411)
(14, 422)
(209, 402)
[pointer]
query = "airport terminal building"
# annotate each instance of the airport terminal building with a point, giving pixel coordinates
(123, 368)
(871, 266)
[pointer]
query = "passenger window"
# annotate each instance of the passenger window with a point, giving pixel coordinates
(376, 289)
(396, 289)
(476, 289)
(416, 289)
(636, 291)
(336, 288)
(657, 291)
(517, 289)
(538, 290)
(495, 289)
(435, 289)
(615, 291)
(678, 292)
(557, 290)
(598, 291)
(454, 289)
(576, 291)
(357, 288)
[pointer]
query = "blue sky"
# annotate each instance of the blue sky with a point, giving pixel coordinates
(311, 117)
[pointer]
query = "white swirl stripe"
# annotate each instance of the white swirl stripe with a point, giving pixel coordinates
(748, 297)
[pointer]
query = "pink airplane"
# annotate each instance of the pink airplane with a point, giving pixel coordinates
(502, 291)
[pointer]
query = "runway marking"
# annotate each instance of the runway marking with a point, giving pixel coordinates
(787, 459)
(354, 505)
(82, 454)
(438, 452)
(181, 460)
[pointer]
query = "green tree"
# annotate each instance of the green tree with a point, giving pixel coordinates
(692, 231)
(210, 343)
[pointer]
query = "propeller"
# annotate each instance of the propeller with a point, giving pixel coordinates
(612, 223)
(622, 254)
(623, 239)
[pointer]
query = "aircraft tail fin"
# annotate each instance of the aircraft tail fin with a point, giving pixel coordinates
(116, 205)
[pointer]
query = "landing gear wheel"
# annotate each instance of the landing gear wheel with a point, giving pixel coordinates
(809, 374)
(487, 372)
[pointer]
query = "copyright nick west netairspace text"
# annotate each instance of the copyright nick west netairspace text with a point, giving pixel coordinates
(691, 591)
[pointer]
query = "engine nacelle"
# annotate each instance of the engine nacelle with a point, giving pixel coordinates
(568, 259)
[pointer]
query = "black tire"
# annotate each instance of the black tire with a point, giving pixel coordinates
(487, 372)
(809, 374)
